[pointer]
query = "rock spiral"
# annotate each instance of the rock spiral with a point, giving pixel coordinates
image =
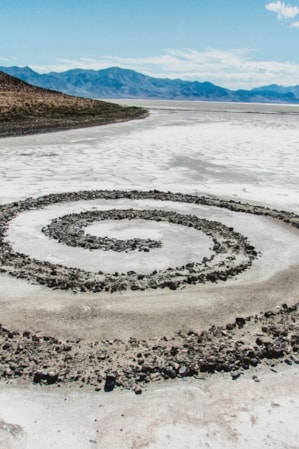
(232, 253)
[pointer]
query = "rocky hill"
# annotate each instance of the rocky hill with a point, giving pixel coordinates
(26, 109)
(116, 82)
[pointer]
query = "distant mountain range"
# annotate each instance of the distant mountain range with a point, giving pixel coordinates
(116, 82)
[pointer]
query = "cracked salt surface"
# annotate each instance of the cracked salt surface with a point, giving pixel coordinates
(187, 148)
(248, 156)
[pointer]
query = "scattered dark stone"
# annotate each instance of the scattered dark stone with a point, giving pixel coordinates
(295, 359)
(67, 348)
(169, 371)
(52, 377)
(269, 314)
(141, 377)
(259, 341)
(184, 371)
(174, 350)
(235, 375)
(254, 361)
(272, 352)
(240, 321)
(40, 376)
(110, 382)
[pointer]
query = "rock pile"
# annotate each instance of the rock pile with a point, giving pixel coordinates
(268, 338)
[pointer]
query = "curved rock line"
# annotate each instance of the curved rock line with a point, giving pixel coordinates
(69, 230)
(232, 251)
(269, 338)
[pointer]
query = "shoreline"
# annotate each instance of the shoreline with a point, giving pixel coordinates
(26, 109)
(52, 128)
(147, 105)
(211, 106)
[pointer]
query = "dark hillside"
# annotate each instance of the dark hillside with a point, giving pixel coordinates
(26, 109)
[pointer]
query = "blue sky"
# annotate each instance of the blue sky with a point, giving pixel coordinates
(232, 43)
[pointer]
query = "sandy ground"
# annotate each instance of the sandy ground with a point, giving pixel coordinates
(246, 156)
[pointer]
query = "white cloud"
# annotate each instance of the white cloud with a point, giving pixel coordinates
(295, 25)
(233, 69)
(282, 10)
